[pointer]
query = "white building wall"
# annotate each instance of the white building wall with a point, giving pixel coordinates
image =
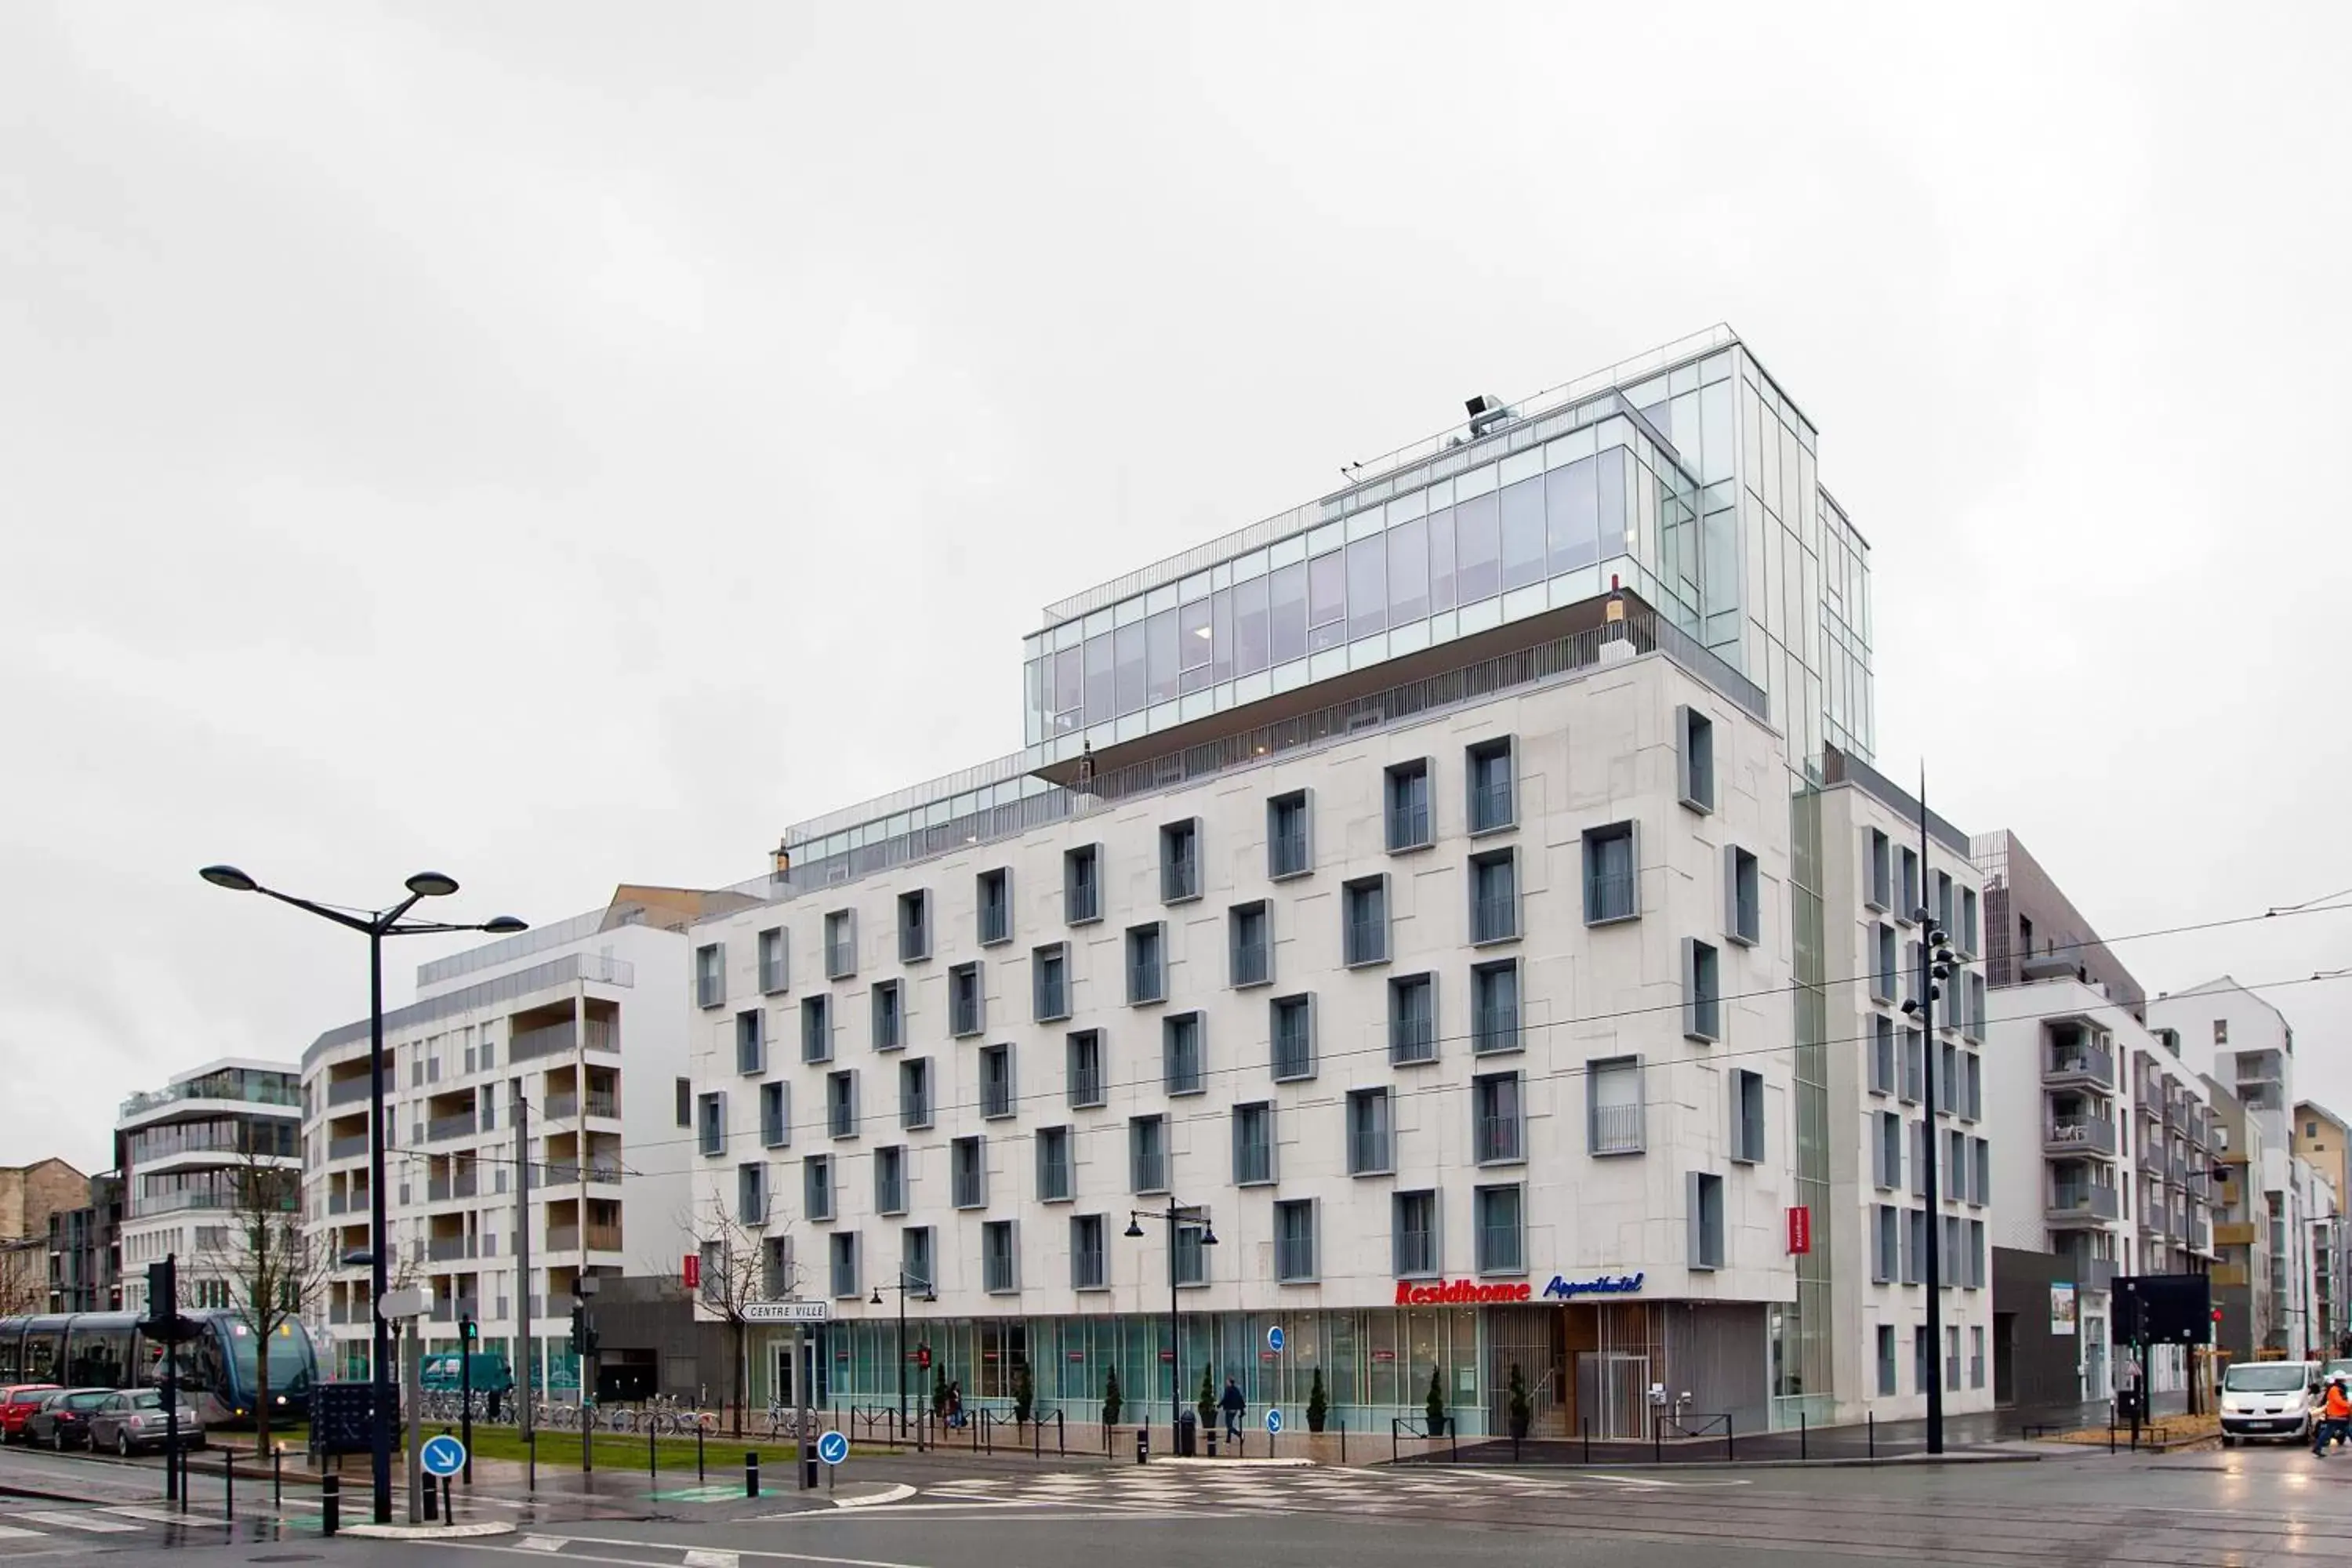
(185, 1229)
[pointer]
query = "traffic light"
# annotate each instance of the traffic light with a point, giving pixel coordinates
(468, 1330)
(923, 1357)
(579, 1330)
(162, 1293)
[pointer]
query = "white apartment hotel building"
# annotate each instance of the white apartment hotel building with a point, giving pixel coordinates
(580, 1021)
(1488, 959)
(183, 1151)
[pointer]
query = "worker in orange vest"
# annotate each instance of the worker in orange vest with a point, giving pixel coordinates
(2335, 1418)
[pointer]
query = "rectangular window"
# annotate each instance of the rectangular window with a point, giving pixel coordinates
(1183, 1069)
(1084, 1053)
(1493, 801)
(1289, 850)
(1364, 921)
(1878, 869)
(996, 1099)
(1613, 1106)
(1494, 897)
(1179, 861)
(1495, 1007)
(1947, 1080)
(775, 1115)
(1405, 790)
(915, 1254)
(1882, 973)
(751, 1043)
(1702, 991)
(1967, 934)
(1920, 1147)
(1977, 1356)
(967, 1007)
(1706, 1201)
(915, 926)
(1147, 975)
(1907, 863)
(1694, 758)
(816, 1187)
(890, 1179)
(1088, 1269)
(1253, 1144)
(1886, 1361)
(840, 944)
(1192, 1256)
(1974, 1028)
(1082, 885)
(1613, 880)
(752, 1194)
(1146, 1153)
(1053, 1164)
(775, 968)
(1747, 1116)
(1291, 1028)
(1371, 1146)
(1249, 944)
(1980, 1173)
(1000, 1258)
(1743, 896)
(1293, 1241)
(1885, 1244)
(710, 1114)
(1914, 1066)
(711, 975)
(968, 1172)
(1919, 1364)
(1497, 1218)
(1882, 1054)
(1974, 1278)
(994, 890)
(841, 1254)
(1915, 1244)
(1412, 1019)
(915, 1093)
(1497, 1120)
(889, 1015)
(1414, 1235)
(1943, 905)
(841, 1103)
(684, 1090)
(1049, 983)
(1886, 1151)
(817, 1028)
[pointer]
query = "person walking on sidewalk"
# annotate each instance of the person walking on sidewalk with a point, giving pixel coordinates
(1233, 1404)
(2335, 1417)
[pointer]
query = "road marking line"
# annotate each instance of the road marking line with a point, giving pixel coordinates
(540, 1543)
(570, 1541)
(699, 1558)
(10, 1533)
(90, 1522)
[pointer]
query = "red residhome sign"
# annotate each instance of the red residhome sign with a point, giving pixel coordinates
(1459, 1293)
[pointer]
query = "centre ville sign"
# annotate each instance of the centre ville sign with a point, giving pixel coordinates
(1469, 1292)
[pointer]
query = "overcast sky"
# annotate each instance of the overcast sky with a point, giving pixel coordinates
(564, 444)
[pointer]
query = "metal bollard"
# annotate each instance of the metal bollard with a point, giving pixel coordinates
(1213, 1441)
(1800, 1434)
(1727, 1439)
(652, 1456)
(699, 1479)
(432, 1499)
(276, 1477)
(330, 1504)
(448, 1514)
(1872, 1429)
(1143, 1443)
(750, 1475)
(1588, 1439)
(229, 1484)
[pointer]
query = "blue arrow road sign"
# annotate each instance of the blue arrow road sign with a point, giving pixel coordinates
(833, 1447)
(443, 1456)
(1274, 1337)
(1272, 1421)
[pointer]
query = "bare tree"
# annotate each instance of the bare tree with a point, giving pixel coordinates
(24, 1277)
(275, 1273)
(741, 1261)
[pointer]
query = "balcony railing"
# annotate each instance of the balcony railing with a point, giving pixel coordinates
(2081, 1204)
(569, 1174)
(1495, 1029)
(1495, 919)
(1412, 1039)
(441, 1189)
(558, 1039)
(1149, 1173)
(448, 1248)
(2079, 1135)
(840, 961)
(1616, 1129)
(1293, 1257)
(600, 1238)
(1180, 878)
(347, 1148)
(1368, 941)
(2079, 1064)
(1499, 1140)
(441, 1129)
(1250, 964)
(1286, 854)
(350, 1090)
(1368, 1152)
(1145, 982)
(1490, 807)
(1408, 827)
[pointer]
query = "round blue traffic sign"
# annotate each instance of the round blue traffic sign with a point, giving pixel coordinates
(1274, 1337)
(443, 1456)
(1272, 1421)
(833, 1447)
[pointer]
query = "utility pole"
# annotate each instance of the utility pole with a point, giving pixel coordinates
(523, 1352)
(1932, 964)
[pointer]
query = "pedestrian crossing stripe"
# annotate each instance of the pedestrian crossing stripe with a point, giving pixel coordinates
(93, 1523)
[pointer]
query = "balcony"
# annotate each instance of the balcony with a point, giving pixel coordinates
(338, 1203)
(562, 1039)
(569, 1173)
(1250, 964)
(2201, 1235)
(600, 1238)
(2078, 1135)
(2096, 1273)
(448, 1248)
(2081, 1206)
(349, 1148)
(564, 1104)
(2078, 1062)
(441, 1129)
(442, 1189)
(2151, 1158)
(2231, 1232)
(349, 1090)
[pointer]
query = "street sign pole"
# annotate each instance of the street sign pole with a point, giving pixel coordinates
(412, 1401)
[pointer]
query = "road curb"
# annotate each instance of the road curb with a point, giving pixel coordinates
(1207, 1464)
(428, 1531)
(899, 1492)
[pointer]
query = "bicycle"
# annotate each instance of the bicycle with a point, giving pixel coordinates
(783, 1421)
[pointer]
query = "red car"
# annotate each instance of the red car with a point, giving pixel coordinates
(18, 1402)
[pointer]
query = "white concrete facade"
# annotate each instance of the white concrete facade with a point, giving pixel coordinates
(181, 1149)
(1689, 1216)
(1874, 886)
(583, 1021)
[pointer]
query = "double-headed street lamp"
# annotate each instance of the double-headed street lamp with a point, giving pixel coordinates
(377, 925)
(928, 1295)
(1175, 1218)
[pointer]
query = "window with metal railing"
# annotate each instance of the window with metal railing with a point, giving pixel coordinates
(915, 1093)
(1249, 944)
(995, 890)
(1293, 1241)
(1053, 1164)
(968, 1172)
(751, 1043)
(1000, 1258)
(816, 1187)
(996, 1099)
(888, 1001)
(1049, 983)
(1499, 1214)
(774, 967)
(1497, 1120)
(1082, 884)
(775, 1115)
(1414, 1235)
(1613, 1106)
(1291, 1027)
(1179, 861)
(1494, 897)
(711, 975)
(890, 1179)
(1191, 1255)
(1147, 978)
(1492, 806)
(1183, 1066)
(1146, 1153)
(1083, 1050)
(1412, 1019)
(817, 1028)
(1495, 1007)
(840, 944)
(752, 1194)
(1253, 1144)
(1287, 851)
(1364, 921)
(1371, 1146)
(1086, 1260)
(710, 1117)
(1612, 885)
(1702, 991)
(915, 925)
(967, 1013)
(841, 1248)
(841, 1103)
(1407, 818)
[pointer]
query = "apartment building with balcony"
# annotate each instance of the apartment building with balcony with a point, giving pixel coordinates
(184, 1152)
(2241, 1274)
(85, 1248)
(537, 1080)
(1411, 886)
(1883, 901)
(2323, 1140)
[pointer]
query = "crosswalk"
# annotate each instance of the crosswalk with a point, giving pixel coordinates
(24, 1530)
(1167, 1489)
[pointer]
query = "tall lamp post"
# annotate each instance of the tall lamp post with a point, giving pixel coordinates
(928, 1295)
(1175, 1218)
(376, 925)
(1936, 963)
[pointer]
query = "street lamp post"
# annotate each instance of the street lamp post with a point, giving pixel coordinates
(1177, 1216)
(1936, 963)
(928, 1295)
(376, 925)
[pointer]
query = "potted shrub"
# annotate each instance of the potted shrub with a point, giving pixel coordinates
(1025, 1397)
(1318, 1407)
(1523, 1409)
(1436, 1404)
(1112, 1401)
(1207, 1404)
(939, 1390)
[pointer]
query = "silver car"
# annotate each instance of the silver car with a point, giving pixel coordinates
(134, 1419)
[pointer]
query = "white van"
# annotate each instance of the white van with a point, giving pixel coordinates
(2269, 1399)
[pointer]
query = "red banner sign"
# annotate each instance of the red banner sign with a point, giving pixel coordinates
(689, 1271)
(1800, 1229)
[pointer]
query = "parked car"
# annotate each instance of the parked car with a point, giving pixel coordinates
(63, 1420)
(134, 1419)
(17, 1400)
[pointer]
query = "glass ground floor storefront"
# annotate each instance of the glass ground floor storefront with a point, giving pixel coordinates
(1582, 1361)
